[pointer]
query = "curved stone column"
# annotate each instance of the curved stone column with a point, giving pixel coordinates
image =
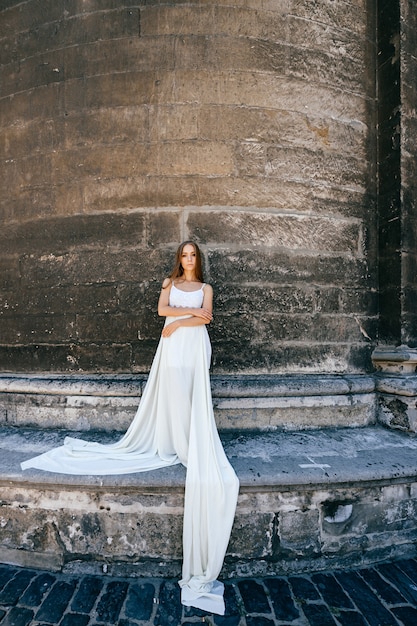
(127, 127)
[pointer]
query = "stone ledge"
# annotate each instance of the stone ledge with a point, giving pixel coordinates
(395, 359)
(263, 402)
(308, 500)
(131, 385)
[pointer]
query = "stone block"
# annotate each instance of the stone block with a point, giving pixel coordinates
(86, 59)
(118, 327)
(276, 328)
(347, 17)
(45, 37)
(31, 137)
(303, 232)
(368, 521)
(286, 128)
(233, 266)
(61, 234)
(262, 90)
(45, 102)
(99, 25)
(123, 193)
(93, 266)
(77, 412)
(119, 160)
(396, 386)
(294, 413)
(164, 227)
(29, 329)
(257, 55)
(9, 272)
(73, 357)
(194, 158)
(261, 298)
(137, 298)
(111, 90)
(338, 42)
(34, 72)
(398, 412)
(298, 533)
(210, 20)
(124, 125)
(174, 122)
(75, 7)
(251, 159)
(15, 20)
(105, 356)
(238, 191)
(342, 170)
(252, 534)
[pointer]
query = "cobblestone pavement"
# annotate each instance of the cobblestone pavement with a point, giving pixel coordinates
(383, 595)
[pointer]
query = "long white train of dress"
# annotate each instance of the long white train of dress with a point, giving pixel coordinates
(173, 424)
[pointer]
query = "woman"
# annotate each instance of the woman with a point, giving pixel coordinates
(175, 424)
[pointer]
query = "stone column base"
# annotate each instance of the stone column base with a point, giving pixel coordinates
(396, 386)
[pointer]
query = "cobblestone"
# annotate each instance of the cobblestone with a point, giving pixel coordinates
(383, 595)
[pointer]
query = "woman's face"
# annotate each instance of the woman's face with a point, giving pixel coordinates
(188, 258)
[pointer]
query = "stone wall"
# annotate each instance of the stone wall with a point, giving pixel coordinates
(409, 171)
(126, 127)
(397, 197)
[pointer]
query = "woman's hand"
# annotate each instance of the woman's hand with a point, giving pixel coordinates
(204, 314)
(169, 329)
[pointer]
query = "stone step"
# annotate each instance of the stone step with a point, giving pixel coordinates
(310, 500)
(261, 402)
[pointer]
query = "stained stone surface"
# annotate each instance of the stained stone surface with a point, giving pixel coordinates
(307, 500)
(109, 402)
(128, 127)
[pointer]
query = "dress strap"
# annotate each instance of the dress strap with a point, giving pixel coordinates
(203, 285)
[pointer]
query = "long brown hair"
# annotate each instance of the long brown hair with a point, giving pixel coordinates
(178, 270)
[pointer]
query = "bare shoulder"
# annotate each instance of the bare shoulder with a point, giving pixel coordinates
(166, 283)
(208, 288)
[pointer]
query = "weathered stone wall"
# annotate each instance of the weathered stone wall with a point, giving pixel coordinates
(397, 170)
(126, 127)
(409, 170)
(140, 533)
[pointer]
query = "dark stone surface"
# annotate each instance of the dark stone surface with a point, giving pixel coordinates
(37, 589)
(318, 615)
(139, 601)
(406, 614)
(366, 601)
(281, 599)
(331, 591)
(400, 580)
(15, 587)
(169, 609)
(18, 616)
(384, 590)
(258, 621)
(254, 597)
(351, 618)
(126, 608)
(110, 603)
(55, 603)
(303, 588)
(232, 614)
(6, 574)
(75, 619)
(87, 594)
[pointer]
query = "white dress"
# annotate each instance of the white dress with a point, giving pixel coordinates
(174, 424)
